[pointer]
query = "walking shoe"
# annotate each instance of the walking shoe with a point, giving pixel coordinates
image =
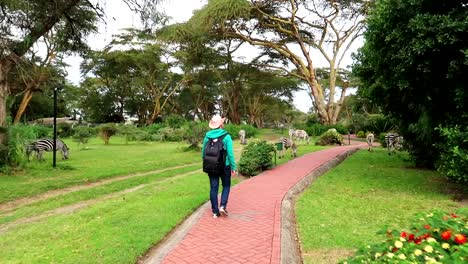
(216, 215)
(223, 211)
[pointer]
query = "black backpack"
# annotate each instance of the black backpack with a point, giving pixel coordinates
(214, 158)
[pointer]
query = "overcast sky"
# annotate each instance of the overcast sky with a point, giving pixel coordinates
(119, 17)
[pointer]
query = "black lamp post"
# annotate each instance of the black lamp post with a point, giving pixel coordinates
(58, 88)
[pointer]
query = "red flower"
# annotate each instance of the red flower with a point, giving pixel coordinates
(453, 215)
(417, 241)
(425, 236)
(411, 237)
(460, 239)
(395, 249)
(403, 234)
(427, 226)
(446, 235)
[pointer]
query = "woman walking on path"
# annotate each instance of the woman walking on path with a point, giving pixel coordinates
(218, 162)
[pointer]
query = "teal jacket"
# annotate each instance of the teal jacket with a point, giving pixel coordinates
(227, 142)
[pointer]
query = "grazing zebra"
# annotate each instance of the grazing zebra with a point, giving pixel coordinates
(302, 136)
(46, 144)
(291, 133)
(243, 141)
(287, 143)
(370, 141)
(393, 142)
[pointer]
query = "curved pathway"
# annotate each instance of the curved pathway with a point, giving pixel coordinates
(252, 231)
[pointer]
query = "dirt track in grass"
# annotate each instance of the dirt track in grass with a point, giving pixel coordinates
(10, 206)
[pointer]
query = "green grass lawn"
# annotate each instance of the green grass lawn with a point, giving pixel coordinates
(114, 227)
(97, 162)
(345, 207)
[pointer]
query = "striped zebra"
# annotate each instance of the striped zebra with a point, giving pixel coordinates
(242, 137)
(287, 143)
(302, 136)
(291, 133)
(370, 141)
(46, 144)
(393, 142)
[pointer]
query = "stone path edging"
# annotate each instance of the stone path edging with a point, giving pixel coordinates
(290, 246)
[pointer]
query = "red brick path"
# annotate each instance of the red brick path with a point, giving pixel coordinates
(251, 232)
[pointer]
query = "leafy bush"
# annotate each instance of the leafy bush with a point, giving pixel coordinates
(340, 129)
(382, 141)
(361, 134)
(131, 133)
(64, 130)
(437, 237)
(453, 161)
(42, 131)
(256, 157)
(330, 137)
(107, 131)
(250, 131)
(82, 134)
(171, 134)
(316, 129)
(154, 128)
(194, 134)
(175, 121)
(18, 136)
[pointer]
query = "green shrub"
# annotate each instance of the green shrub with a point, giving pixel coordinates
(18, 136)
(256, 157)
(330, 137)
(361, 134)
(41, 131)
(436, 237)
(453, 161)
(382, 141)
(107, 131)
(233, 130)
(130, 133)
(250, 131)
(340, 129)
(171, 134)
(154, 128)
(194, 133)
(316, 129)
(82, 134)
(175, 121)
(64, 130)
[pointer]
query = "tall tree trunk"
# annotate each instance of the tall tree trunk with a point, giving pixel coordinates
(24, 103)
(233, 101)
(5, 67)
(319, 102)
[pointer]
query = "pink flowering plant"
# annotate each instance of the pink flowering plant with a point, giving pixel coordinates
(436, 237)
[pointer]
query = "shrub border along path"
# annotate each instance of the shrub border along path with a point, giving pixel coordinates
(260, 227)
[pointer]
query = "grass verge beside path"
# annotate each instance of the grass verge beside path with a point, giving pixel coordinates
(343, 209)
(113, 231)
(97, 162)
(88, 194)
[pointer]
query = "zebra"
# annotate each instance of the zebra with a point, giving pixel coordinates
(393, 142)
(286, 144)
(242, 137)
(46, 144)
(370, 141)
(302, 136)
(291, 133)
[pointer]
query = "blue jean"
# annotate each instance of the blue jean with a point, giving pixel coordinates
(214, 187)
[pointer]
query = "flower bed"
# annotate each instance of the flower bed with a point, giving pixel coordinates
(437, 237)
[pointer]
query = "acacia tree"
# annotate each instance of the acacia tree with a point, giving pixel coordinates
(287, 31)
(24, 22)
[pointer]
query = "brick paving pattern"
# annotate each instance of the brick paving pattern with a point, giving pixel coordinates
(251, 232)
